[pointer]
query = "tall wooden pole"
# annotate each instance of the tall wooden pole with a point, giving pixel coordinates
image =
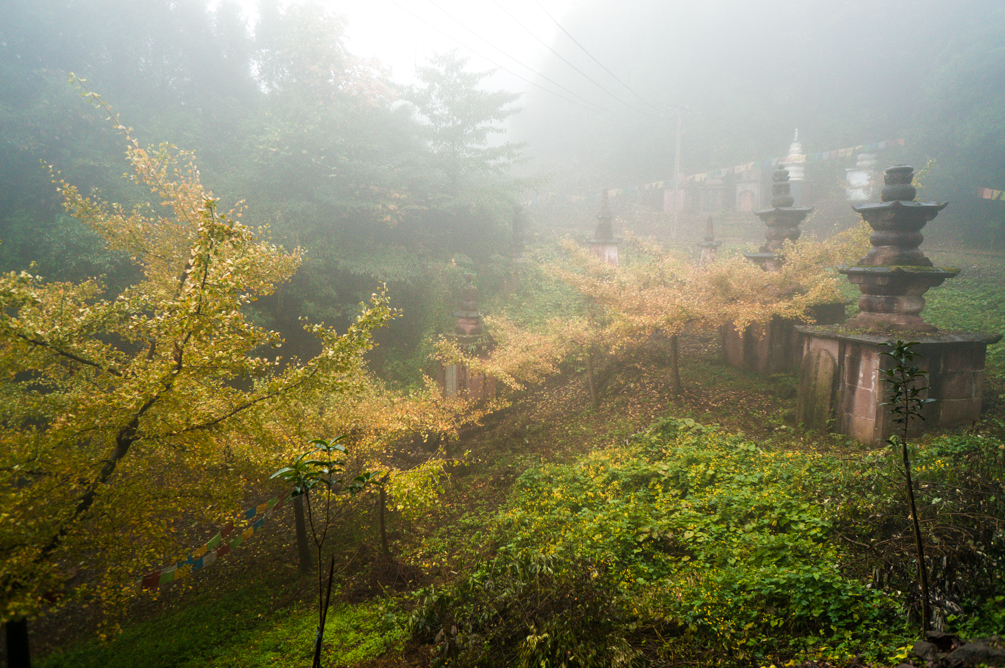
(676, 180)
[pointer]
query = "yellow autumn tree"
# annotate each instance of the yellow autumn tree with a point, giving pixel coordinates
(403, 437)
(118, 411)
(656, 291)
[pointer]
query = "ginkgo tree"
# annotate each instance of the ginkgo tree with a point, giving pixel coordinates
(660, 291)
(405, 435)
(117, 410)
(656, 291)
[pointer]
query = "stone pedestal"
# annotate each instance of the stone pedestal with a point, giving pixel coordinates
(841, 388)
(774, 347)
(454, 379)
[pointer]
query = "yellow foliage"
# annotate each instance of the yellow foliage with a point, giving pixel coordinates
(123, 415)
(655, 290)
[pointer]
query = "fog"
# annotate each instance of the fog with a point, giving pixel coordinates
(322, 117)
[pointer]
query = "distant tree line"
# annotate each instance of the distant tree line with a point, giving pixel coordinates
(377, 183)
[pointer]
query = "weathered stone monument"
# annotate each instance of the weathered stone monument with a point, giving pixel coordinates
(708, 244)
(782, 220)
(604, 244)
(776, 346)
(796, 161)
(841, 385)
(455, 379)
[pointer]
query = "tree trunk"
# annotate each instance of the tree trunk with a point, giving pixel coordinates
(592, 381)
(926, 608)
(18, 652)
(381, 504)
(675, 366)
(319, 641)
(303, 548)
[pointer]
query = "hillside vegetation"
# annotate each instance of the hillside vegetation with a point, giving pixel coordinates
(705, 528)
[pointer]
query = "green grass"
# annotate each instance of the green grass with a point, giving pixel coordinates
(973, 301)
(239, 631)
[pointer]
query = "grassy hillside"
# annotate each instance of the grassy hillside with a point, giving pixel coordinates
(657, 530)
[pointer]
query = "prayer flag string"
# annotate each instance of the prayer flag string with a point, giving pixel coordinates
(543, 198)
(215, 548)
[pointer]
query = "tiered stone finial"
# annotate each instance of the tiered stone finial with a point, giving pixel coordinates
(709, 244)
(782, 220)
(895, 273)
(469, 320)
(604, 244)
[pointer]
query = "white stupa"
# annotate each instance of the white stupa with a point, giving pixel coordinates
(795, 161)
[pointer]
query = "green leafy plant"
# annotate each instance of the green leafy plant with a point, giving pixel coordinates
(684, 532)
(906, 401)
(321, 468)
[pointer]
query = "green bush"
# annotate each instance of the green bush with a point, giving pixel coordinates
(960, 481)
(524, 609)
(686, 531)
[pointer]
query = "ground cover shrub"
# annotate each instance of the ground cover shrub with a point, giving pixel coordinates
(524, 609)
(700, 543)
(960, 482)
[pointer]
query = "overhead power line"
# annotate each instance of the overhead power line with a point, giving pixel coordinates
(629, 88)
(562, 58)
(593, 106)
(521, 64)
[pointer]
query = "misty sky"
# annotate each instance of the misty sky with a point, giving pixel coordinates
(494, 35)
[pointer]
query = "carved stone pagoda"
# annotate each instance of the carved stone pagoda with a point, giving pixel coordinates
(775, 346)
(895, 274)
(796, 161)
(604, 244)
(782, 220)
(841, 380)
(454, 379)
(708, 245)
(860, 178)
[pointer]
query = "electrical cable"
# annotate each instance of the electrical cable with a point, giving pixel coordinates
(562, 58)
(598, 62)
(526, 67)
(594, 106)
